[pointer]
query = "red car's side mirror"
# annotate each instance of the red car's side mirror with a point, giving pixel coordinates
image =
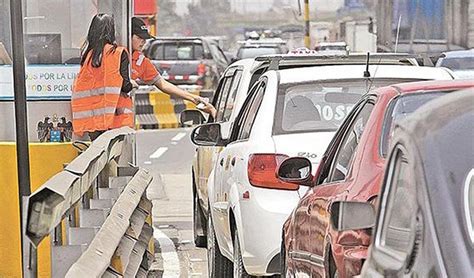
(296, 170)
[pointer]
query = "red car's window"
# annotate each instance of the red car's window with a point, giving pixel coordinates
(342, 163)
(400, 108)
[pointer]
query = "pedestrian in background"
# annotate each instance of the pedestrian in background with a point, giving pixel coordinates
(100, 99)
(143, 69)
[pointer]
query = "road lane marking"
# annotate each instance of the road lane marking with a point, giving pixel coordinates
(179, 136)
(159, 152)
(168, 253)
(147, 162)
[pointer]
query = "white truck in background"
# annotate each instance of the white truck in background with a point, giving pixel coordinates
(358, 36)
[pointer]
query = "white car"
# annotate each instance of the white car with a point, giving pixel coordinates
(285, 113)
(231, 93)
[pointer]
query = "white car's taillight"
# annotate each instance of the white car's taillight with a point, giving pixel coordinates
(262, 171)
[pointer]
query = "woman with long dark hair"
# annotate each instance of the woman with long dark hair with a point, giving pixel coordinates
(101, 32)
(100, 99)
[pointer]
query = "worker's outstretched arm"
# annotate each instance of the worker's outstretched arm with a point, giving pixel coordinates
(173, 90)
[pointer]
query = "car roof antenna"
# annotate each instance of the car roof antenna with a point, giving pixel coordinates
(367, 72)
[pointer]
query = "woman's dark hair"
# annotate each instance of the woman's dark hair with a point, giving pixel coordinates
(101, 32)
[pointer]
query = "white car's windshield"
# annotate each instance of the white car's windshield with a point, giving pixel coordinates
(319, 105)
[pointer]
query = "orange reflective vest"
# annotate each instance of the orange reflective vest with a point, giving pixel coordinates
(97, 102)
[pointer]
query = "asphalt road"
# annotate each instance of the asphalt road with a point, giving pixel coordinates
(168, 155)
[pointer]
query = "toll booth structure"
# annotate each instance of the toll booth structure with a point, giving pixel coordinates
(53, 32)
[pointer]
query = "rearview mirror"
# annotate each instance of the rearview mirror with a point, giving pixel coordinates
(207, 135)
(352, 215)
(191, 117)
(296, 170)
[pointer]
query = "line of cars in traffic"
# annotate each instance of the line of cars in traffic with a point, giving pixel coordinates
(198, 62)
(260, 212)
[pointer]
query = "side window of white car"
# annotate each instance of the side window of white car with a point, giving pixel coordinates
(217, 97)
(251, 113)
(347, 149)
(224, 93)
(230, 102)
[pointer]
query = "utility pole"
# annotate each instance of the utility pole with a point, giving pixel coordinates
(307, 35)
(19, 87)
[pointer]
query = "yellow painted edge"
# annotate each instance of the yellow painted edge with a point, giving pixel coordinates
(116, 264)
(63, 232)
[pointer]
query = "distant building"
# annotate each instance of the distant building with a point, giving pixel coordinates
(425, 25)
(182, 6)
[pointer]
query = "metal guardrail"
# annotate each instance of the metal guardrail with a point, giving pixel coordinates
(98, 218)
(96, 259)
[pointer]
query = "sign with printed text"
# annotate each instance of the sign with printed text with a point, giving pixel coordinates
(42, 81)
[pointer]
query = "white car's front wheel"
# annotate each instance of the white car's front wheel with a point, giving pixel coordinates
(218, 266)
(239, 269)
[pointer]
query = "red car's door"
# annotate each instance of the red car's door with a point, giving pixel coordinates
(335, 186)
(320, 201)
(300, 245)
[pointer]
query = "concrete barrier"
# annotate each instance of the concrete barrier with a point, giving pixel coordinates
(155, 109)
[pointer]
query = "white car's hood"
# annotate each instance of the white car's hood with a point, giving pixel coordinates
(311, 145)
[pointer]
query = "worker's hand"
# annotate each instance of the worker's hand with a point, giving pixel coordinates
(196, 99)
(206, 107)
(134, 84)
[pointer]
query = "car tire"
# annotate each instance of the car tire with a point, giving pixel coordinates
(218, 266)
(239, 269)
(199, 221)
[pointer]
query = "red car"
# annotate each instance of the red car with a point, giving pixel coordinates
(350, 170)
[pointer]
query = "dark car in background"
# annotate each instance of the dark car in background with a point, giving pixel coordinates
(195, 61)
(425, 223)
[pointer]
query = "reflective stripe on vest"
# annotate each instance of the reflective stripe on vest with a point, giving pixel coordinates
(94, 112)
(96, 92)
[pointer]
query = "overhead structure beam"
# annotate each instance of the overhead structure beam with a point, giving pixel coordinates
(307, 33)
